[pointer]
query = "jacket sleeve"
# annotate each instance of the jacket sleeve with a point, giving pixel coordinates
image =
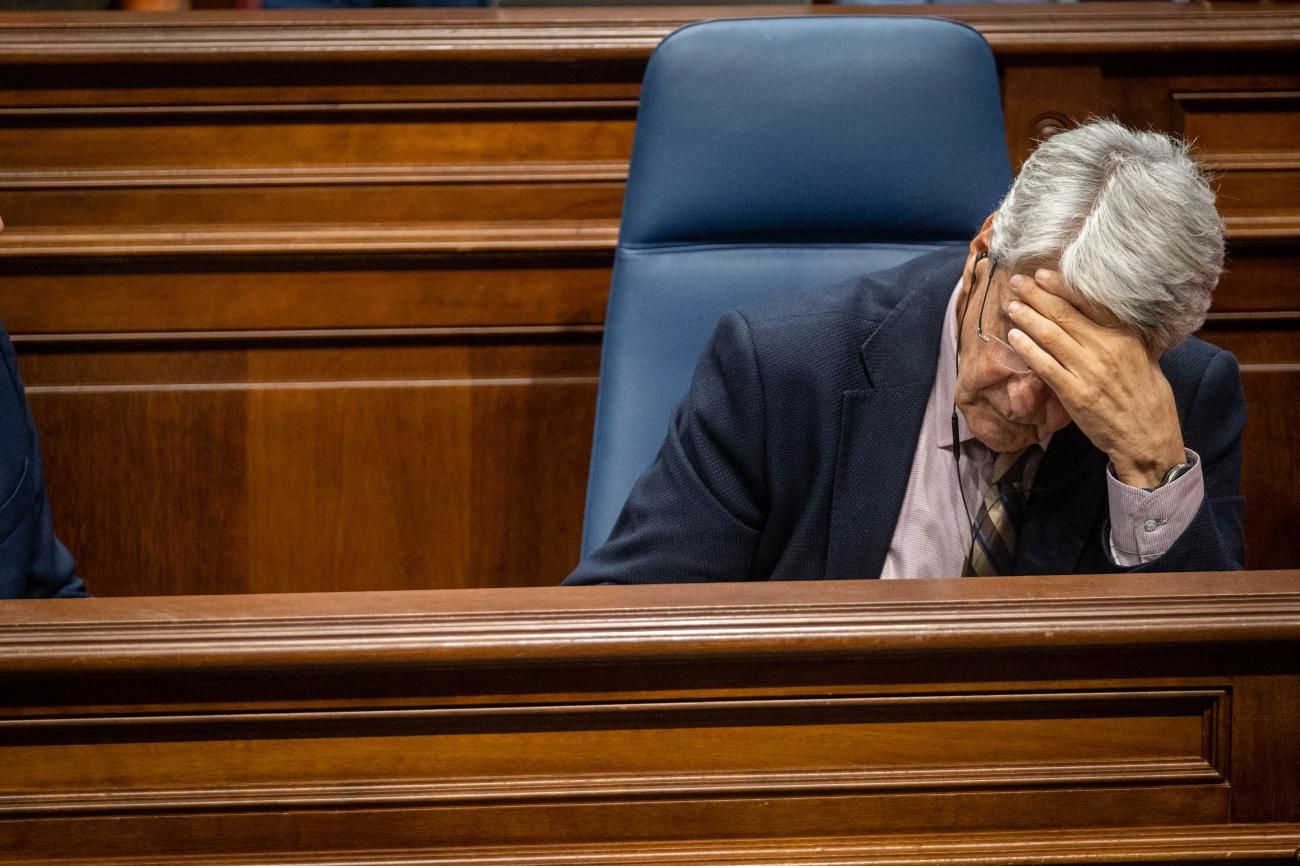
(33, 562)
(1212, 427)
(697, 513)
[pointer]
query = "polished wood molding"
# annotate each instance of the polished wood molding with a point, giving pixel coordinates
(1263, 844)
(334, 336)
(601, 33)
(966, 773)
(286, 240)
(649, 623)
(356, 175)
(1051, 720)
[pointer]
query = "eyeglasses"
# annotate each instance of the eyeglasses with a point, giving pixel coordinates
(999, 349)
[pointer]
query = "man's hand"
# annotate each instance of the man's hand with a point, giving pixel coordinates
(1102, 373)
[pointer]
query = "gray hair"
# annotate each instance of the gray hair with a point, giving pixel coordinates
(1128, 219)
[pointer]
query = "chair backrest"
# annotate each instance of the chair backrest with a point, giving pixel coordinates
(774, 155)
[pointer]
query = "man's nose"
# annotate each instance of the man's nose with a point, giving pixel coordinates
(1027, 394)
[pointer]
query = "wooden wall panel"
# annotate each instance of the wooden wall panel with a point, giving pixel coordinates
(852, 745)
(228, 138)
(1044, 720)
(215, 290)
(1270, 473)
(235, 240)
(373, 463)
(578, 193)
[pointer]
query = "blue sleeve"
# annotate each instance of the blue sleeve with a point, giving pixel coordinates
(697, 513)
(33, 562)
(1212, 427)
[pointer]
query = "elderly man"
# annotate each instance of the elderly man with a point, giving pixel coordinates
(1032, 404)
(33, 563)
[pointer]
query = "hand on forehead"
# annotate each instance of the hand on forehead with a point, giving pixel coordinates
(1046, 290)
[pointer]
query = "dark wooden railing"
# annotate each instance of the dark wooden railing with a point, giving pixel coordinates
(1044, 720)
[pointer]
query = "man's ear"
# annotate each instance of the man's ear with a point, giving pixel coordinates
(978, 244)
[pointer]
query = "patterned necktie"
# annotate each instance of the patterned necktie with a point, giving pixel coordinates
(993, 544)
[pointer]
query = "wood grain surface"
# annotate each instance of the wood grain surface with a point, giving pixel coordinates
(1009, 720)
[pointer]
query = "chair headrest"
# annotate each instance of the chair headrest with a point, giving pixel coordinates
(769, 130)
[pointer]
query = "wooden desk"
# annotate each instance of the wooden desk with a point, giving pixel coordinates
(1044, 720)
(322, 293)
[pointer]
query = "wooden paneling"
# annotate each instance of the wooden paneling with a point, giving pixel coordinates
(229, 138)
(849, 746)
(381, 462)
(222, 288)
(296, 294)
(1045, 720)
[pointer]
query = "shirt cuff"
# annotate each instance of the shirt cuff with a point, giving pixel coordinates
(1144, 524)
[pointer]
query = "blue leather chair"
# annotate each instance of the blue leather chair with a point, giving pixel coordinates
(774, 155)
(927, 2)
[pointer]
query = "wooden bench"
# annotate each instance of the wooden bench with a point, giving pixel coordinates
(1143, 719)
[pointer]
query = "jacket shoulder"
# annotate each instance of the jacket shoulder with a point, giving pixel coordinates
(1186, 365)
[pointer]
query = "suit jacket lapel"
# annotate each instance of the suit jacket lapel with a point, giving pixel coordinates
(879, 425)
(1069, 487)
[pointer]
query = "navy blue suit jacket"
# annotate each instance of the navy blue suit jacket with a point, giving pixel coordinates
(33, 563)
(789, 457)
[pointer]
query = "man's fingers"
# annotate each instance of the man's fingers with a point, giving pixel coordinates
(1054, 284)
(1046, 334)
(1040, 362)
(1051, 305)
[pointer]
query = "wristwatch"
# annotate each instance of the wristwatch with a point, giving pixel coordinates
(1175, 472)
